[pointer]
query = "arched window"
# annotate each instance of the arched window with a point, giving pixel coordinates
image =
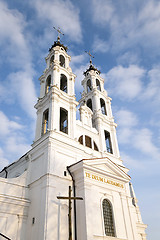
(81, 139)
(89, 103)
(103, 106)
(108, 218)
(63, 120)
(95, 146)
(63, 83)
(89, 88)
(108, 142)
(62, 61)
(52, 60)
(88, 142)
(98, 85)
(48, 84)
(45, 122)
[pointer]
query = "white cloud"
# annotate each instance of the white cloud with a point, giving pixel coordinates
(132, 25)
(7, 126)
(12, 40)
(102, 11)
(78, 67)
(130, 134)
(23, 89)
(16, 51)
(132, 162)
(16, 146)
(143, 140)
(19, 88)
(77, 59)
(124, 135)
(79, 73)
(126, 118)
(100, 45)
(3, 161)
(60, 13)
(128, 58)
(153, 88)
(14, 141)
(125, 83)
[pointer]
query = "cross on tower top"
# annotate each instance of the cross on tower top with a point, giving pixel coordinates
(59, 32)
(90, 55)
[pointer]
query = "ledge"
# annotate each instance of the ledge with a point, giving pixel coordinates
(108, 237)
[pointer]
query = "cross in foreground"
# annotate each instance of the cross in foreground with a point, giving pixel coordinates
(70, 209)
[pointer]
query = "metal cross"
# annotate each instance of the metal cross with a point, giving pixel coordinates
(59, 32)
(90, 55)
(69, 210)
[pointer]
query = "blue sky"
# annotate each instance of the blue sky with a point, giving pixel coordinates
(124, 37)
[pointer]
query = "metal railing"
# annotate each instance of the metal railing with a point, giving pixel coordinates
(4, 236)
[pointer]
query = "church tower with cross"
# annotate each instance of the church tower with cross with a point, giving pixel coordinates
(81, 155)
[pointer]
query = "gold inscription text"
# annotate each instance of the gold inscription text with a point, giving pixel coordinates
(104, 180)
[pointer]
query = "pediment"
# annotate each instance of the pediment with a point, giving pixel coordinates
(106, 167)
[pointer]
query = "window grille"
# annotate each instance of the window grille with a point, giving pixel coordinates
(108, 218)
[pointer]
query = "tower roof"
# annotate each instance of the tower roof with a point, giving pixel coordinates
(91, 67)
(58, 43)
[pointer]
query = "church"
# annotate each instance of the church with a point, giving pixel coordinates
(72, 184)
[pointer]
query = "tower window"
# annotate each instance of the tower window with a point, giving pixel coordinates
(63, 83)
(81, 139)
(98, 85)
(62, 61)
(95, 146)
(103, 106)
(89, 103)
(48, 84)
(108, 142)
(63, 120)
(52, 60)
(88, 142)
(108, 218)
(45, 122)
(89, 88)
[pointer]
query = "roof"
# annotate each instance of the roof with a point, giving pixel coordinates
(91, 67)
(58, 43)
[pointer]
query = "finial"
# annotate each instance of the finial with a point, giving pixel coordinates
(59, 32)
(90, 55)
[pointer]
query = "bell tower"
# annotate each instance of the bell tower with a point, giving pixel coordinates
(96, 98)
(56, 106)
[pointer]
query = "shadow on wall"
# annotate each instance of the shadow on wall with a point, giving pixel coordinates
(14, 207)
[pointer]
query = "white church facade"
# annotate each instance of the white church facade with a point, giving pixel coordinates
(83, 154)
